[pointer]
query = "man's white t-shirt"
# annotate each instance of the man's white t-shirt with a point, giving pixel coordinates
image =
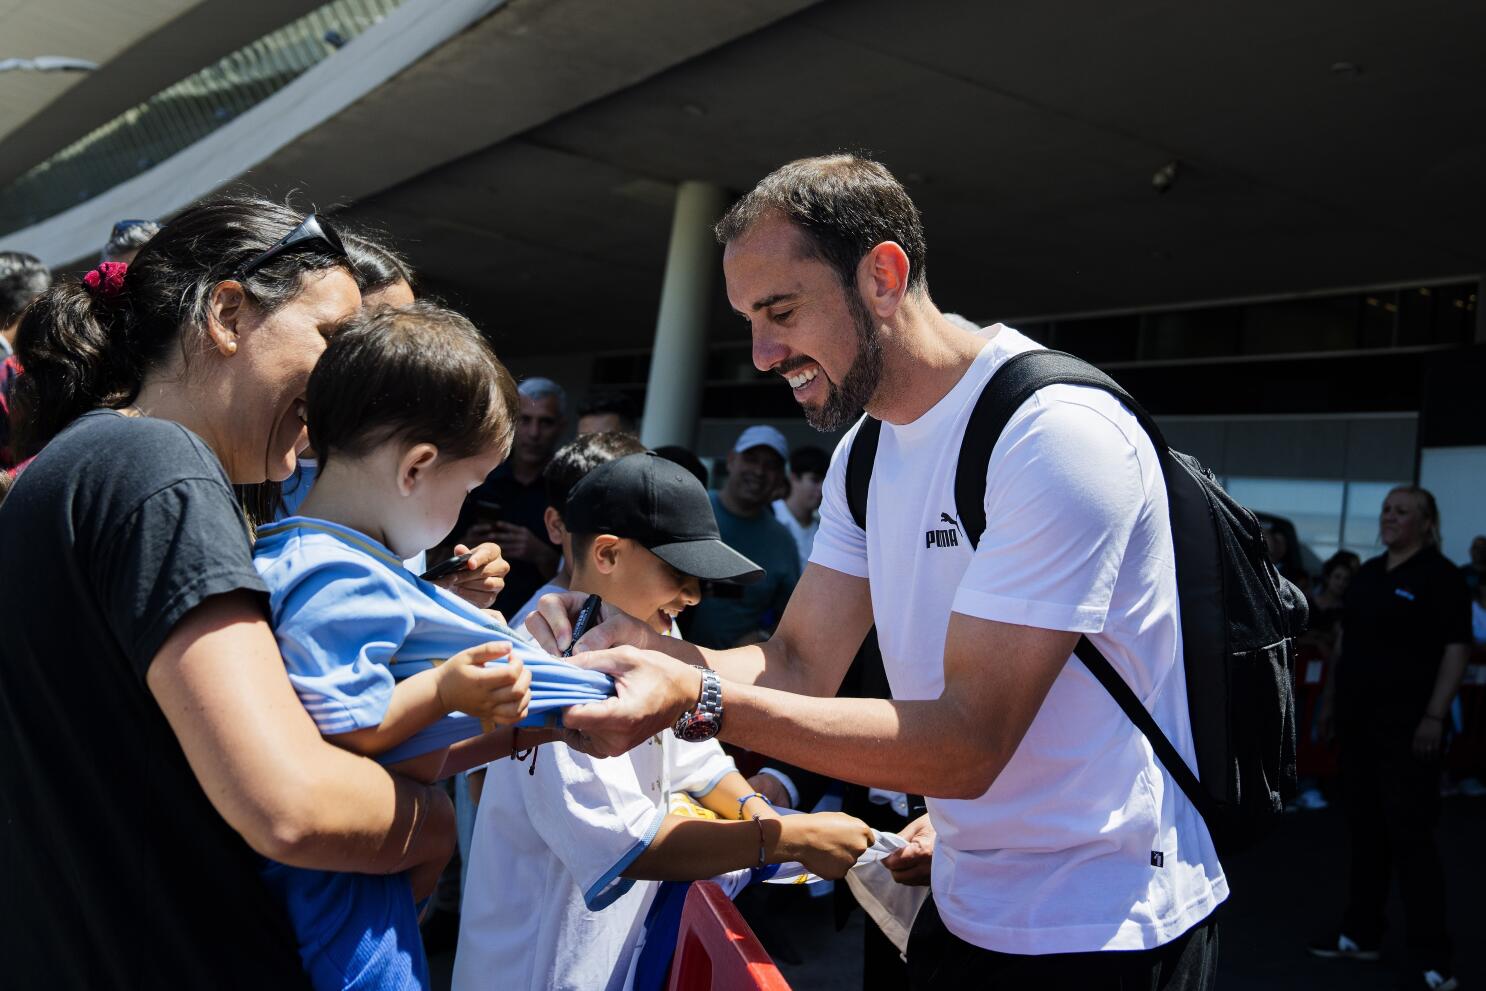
(544, 905)
(1083, 842)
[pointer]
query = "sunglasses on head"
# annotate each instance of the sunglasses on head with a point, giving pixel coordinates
(312, 234)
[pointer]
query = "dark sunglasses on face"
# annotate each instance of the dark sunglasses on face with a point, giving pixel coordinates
(312, 234)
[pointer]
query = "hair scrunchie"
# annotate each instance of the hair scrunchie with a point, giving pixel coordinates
(107, 280)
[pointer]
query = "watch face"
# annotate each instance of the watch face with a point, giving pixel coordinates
(700, 726)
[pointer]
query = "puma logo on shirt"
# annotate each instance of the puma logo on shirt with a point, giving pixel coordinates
(944, 538)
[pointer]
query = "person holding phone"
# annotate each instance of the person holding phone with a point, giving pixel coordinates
(508, 507)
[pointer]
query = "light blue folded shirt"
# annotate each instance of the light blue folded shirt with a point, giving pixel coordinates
(351, 622)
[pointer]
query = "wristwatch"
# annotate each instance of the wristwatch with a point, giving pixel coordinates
(705, 720)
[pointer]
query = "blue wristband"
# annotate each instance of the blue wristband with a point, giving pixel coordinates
(753, 794)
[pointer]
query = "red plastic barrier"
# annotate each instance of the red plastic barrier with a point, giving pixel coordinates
(1314, 758)
(716, 951)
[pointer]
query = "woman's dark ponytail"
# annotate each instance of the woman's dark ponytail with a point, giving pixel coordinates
(74, 349)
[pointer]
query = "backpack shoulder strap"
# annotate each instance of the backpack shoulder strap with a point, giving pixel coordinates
(1012, 385)
(1137, 713)
(859, 461)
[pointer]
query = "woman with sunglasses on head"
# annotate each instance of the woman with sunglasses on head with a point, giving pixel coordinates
(151, 745)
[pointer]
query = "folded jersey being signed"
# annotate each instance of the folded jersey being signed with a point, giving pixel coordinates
(351, 621)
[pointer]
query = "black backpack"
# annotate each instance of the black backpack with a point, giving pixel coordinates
(1239, 617)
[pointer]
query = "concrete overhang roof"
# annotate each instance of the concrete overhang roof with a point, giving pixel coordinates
(1028, 134)
(527, 165)
(141, 47)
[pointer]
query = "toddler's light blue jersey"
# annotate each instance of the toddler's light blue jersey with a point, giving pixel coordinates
(351, 621)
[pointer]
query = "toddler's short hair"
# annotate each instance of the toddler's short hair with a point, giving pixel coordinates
(419, 373)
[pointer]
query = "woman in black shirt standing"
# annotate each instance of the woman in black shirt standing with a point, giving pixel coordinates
(150, 742)
(1402, 650)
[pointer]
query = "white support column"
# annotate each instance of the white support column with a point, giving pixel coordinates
(673, 394)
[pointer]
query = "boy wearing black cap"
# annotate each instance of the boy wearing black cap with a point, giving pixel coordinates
(569, 853)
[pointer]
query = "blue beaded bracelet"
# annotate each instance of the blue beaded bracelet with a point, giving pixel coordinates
(753, 794)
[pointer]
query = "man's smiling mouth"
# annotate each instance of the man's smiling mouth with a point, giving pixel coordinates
(802, 378)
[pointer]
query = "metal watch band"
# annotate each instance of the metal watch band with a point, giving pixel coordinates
(711, 697)
(703, 721)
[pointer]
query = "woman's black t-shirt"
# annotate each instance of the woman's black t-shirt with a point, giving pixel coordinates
(117, 872)
(1395, 627)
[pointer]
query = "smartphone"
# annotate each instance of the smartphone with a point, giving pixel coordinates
(587, 616)
(445, 568)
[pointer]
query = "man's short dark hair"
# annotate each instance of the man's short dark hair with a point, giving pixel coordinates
(23, 277)
(616, 403)
(844, 206)
(420, 373)
(808, 461)
(580, 456)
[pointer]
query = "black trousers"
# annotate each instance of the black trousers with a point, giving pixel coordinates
(1392, 805)
(938, 960)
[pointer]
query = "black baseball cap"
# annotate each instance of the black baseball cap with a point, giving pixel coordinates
(664, 508)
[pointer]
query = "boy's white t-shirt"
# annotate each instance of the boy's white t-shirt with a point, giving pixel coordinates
(1083, 842)
(517, 620)
(544, 905)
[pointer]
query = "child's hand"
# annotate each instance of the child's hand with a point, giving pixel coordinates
(499, 693)
(828, 843)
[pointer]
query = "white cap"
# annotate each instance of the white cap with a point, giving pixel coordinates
(762, 436)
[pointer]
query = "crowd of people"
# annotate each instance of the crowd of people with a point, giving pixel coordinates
(293, 571)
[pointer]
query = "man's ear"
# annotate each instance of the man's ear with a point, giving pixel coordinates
(606, 552)
(553, 521)
(413, 466)
(882, 278)
(225, 310)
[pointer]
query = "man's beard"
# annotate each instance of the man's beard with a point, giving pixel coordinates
(844, 403)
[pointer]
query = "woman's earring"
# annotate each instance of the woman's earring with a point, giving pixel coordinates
(232, 347)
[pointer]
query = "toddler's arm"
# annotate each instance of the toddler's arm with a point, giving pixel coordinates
(499, 693)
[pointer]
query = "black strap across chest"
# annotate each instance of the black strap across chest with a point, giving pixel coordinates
(1012, 385)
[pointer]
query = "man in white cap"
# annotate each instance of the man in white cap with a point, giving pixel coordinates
(732, 615)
